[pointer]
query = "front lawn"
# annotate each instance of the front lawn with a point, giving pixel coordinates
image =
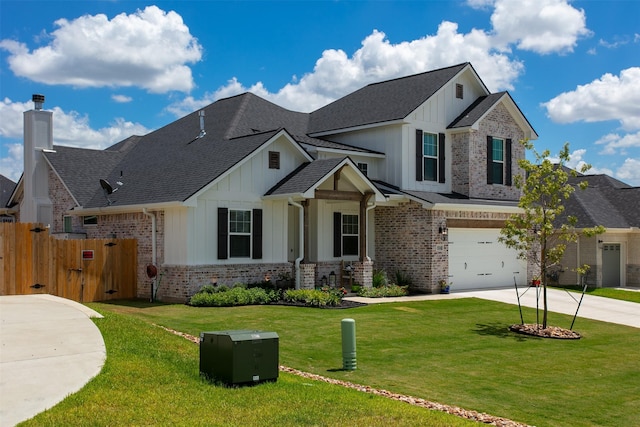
(457, 352)
(621, 294)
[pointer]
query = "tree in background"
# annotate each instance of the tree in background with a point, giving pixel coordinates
(536, 233)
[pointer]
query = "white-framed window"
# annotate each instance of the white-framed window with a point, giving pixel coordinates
(239, 233)
(350, 235)
(497, 160)
(459, 91)
(430, 156)
(364, 168)
(90, 220)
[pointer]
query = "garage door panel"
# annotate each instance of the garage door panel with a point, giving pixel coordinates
(478, 260)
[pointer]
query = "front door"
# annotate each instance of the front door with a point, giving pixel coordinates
(611, 265)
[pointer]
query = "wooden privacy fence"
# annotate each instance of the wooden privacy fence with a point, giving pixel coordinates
(83, 270)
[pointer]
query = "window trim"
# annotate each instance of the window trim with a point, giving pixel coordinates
(435, 158)
(231, 234)
(89, 224)
(494, 161)
(344, 235)
(459, 91)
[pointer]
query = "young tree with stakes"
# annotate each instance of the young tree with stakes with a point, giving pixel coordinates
(535, 233)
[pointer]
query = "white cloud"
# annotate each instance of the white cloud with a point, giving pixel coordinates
(69, 128)
(376, 60)
(480, 4)
(121, 99)
(149, 48)
(11, 166)
(629, 172)
(607, 98)
(541, 26)
(614, 142)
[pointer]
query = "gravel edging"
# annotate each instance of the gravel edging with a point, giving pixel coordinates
(416, 401)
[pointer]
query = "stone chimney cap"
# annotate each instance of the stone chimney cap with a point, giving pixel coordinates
(38, 100)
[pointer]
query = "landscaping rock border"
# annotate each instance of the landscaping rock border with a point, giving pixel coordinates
(423, 403)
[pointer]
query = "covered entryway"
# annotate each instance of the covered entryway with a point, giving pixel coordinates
(611, 265)
(478, 260)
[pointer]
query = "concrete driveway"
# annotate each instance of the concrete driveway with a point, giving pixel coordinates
(49, 349)
(592, 307)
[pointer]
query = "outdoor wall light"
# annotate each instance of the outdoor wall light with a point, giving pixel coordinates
(443, 231)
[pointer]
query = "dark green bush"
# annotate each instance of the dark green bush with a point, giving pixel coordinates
(313, 297)
(237, 295)
(379, 279)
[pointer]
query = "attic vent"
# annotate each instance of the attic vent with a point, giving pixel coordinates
(274, 160)
(459, 91)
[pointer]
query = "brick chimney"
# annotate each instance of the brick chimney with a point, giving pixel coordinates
(38, 136)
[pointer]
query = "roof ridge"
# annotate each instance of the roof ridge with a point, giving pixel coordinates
(419, 74)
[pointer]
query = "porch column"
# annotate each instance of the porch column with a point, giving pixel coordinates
(364, 201)
(305, 236)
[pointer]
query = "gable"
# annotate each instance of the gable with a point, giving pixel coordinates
(382, 102)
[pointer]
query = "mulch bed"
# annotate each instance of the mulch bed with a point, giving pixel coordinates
(536, 330)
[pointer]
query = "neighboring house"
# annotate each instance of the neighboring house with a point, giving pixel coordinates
(413, 174)
(614, 257)
(6, 189)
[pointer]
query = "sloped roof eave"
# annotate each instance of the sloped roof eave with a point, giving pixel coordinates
(192, 200)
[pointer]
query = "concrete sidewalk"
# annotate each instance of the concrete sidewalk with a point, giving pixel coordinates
(596, 308)
(50, 348)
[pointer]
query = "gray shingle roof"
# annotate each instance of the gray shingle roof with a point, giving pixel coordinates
(476, 110)
(6, 189)
(431, 197)
(171, 164)
(305, 177)
(381, 102)
(80, 169)
(606, 201)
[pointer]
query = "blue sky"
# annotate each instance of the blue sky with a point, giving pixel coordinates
(110, 69)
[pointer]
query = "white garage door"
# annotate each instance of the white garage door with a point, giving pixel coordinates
(478, 260)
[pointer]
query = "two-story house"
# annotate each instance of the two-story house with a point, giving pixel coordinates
(412, 174)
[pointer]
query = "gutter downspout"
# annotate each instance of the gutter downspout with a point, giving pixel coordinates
(301, 226)
(153, 249)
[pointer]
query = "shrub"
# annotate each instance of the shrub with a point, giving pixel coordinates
(403, 279)
(238, 295)
(384, 291)
(379, 279)
(313, 298)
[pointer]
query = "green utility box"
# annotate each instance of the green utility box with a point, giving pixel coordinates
(239, 357)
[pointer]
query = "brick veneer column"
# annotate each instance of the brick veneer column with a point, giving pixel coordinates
(363, 273)
(307, 276)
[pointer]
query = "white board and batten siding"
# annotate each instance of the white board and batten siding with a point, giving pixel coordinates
(478, 260)
(191, 232)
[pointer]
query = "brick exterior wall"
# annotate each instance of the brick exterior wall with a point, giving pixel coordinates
(407, 240)
(469, 157)
(180, 282)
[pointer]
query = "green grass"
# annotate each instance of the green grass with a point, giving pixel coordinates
(608, 293)
(151, 377)
(457, 352)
